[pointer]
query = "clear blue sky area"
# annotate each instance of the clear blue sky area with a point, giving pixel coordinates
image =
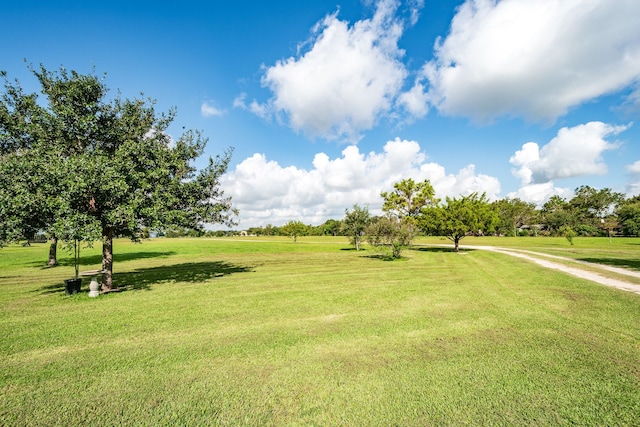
(329, 103)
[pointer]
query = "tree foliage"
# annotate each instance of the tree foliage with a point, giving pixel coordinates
(590, 212)
(589, 207)
(331, 227)
(556, 214)
(459, 217)
(629, 216)
(355, 223)
(294, 229)
(390, 234)
(90, 165)
(408, 199)
(595, 203)
(513, 214)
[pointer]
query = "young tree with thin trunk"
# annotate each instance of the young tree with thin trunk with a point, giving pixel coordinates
(294, 229)
(355, 223)
(390, 234)
(403, 206)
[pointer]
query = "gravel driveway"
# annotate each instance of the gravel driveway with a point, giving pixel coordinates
(546, 261)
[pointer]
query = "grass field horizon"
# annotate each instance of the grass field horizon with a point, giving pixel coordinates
(262, 331)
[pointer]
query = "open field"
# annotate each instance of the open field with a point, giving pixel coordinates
(267, 332)
(619, 251)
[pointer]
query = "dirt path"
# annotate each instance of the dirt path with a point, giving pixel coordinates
(575, 271)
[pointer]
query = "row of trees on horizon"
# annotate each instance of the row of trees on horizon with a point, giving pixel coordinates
(411, 209)
(590, 212)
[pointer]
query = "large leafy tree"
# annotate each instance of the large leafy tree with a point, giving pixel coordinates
(355, 223)
(331, 227)
(99, 164)
(629, 215)
(27, 204)
(591, 207)
(21, 212)
(557, 215)
(459, 217)
(513, 214)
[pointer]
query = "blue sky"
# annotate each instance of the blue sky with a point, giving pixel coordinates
(328, 103)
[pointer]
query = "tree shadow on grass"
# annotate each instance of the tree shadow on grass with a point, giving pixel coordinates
(432, 249)
(145, 278)
(190, 272)
(56, 288)
(438, 249)
(97, 259)
(385, 257)
(622, 263)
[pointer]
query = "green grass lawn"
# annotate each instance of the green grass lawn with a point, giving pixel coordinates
(618, 252)
(266, 332)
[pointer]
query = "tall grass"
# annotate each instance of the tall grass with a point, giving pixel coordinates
(267, 332)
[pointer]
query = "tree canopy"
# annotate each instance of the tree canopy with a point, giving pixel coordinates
(390, 234)
(355, 223)
(590, 207)
(408, 199)
(629, 216)
(294, 229)
(459, 217)
(79, 165)
(513, 214)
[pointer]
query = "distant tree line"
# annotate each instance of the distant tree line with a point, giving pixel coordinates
(411, 209)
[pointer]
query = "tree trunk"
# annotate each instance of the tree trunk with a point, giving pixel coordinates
(107, 259)
(357, 243)
(53, 251)
(456, 242)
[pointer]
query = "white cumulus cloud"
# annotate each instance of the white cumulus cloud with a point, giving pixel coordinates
(633, 187)
(540, 193)
(573, 152)
(344, 82)
(634, 168)
(534, 59)
(465, 182)
(268, 193)
(208, 110)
